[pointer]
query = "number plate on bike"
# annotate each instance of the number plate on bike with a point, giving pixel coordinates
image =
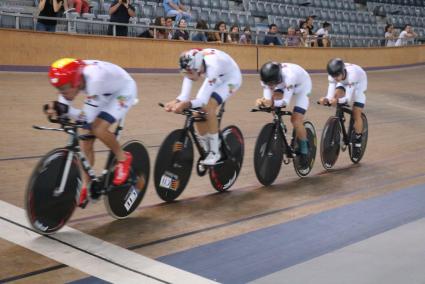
(170, 181)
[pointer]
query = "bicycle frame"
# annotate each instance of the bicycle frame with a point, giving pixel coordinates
(341, 109)
(73, 148)
(280, 127)
(190, 130)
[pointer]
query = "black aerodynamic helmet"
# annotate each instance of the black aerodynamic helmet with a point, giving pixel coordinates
(271, 73)
(335, 67)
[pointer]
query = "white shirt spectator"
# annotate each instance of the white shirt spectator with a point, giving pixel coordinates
(322, 32)
(390, 41)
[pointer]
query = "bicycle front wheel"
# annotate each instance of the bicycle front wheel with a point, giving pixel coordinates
(330, 142)
(173, 165)
(268, 154)
(48, 205)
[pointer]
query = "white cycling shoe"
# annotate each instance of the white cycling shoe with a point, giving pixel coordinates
(211, 159)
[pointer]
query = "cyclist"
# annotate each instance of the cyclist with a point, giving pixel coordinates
(110, 92)
(281, 82)
(222, 79)
(347, 83)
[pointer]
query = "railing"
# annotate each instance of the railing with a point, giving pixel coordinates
(72, 24)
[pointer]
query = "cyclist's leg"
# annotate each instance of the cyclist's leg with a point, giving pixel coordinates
(219, 96)
(359, 103)
(297, 120)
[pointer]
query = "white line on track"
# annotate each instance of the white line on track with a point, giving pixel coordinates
(89, 254)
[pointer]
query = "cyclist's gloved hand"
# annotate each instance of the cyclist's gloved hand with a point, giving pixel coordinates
(324, 101)
(263, 102)
(55, 109)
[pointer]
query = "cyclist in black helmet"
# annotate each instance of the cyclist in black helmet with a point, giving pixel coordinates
(348, 83)
(281, 82)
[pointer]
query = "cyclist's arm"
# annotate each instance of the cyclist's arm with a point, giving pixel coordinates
(186, 88)
(205, 92)
(331, 90)
(73, 113)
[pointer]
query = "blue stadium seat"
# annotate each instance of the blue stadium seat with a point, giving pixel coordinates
(224, 4)
(205, 4)
(215, 4)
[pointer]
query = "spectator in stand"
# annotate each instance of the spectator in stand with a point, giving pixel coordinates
(169, 27)
(49, 8)
(292, 39)
(323, 35)
(272, 37)
(181, 33)
(234, 34)
(199, 35)
(310, 26)
(304, 33)
(406, 36)
(246, 36)
(160, 33)
(120, 11)
(81, 6)
(221, 35)
(173, 8)
(390, 35)
(149, 33)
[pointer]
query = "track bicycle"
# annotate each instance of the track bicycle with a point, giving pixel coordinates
(54, 187)
(336, 136)
(173, 166)
(272, 147)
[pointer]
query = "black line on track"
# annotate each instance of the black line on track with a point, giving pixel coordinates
(312, 202)
(36, 272)
(81, 250)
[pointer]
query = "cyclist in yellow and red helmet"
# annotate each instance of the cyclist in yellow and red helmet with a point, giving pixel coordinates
(110, 92)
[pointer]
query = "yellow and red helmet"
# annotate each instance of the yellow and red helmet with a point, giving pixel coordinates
(66, 70)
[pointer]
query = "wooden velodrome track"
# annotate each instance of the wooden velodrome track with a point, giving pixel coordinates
(393, 160)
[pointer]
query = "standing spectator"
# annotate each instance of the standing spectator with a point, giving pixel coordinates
(390, 35)
(181, 33)
(292, 39)
(81, 6)
(221, 35)
(323, 35)
(234, 34)
(310, 26)
(169, 27)
(49, 8)
(120, 12)
(406, 36)
(173, 8)
(160, 33)
(246, 36)
(304, 34)
(200, 35)
(272, 37)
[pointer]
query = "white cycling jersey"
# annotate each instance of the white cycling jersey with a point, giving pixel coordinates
(110, 92)
(295, 81)
(222, 79)
(355, 85)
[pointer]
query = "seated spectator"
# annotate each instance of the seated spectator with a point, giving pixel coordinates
(292, 39)
(390, 35)
(173, 8)
(181, 33)
(272, 37)
(246, 36)
(49, 8)
(221, 35)
(149, 33)
(323, 35)
(406, 36)
(169, 27)
(199, 35)
(120, 12)
(234, 34)
(81, 6)
(160, 33)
